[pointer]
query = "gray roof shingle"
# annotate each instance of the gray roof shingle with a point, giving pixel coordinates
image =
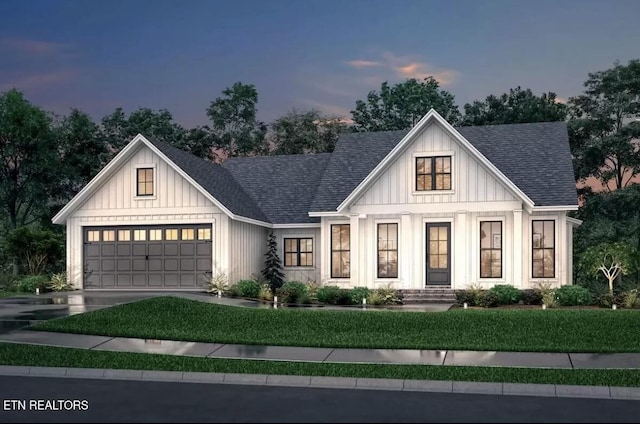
(215, 179)
(282, 186)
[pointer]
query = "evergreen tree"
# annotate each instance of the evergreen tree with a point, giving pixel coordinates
(272, 271)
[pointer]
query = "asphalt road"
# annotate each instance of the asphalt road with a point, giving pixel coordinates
(136, 401)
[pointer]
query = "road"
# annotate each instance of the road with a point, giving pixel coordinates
(135, 401)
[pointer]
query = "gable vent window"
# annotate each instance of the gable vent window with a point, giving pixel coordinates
(145, 182)
(433, 173)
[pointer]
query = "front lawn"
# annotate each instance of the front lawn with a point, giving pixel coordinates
(507, 330)
(47, 356)
(9, 294)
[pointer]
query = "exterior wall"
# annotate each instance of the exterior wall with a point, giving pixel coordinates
(248, 244)
(175, 202)
(471, 182)
(303, 274)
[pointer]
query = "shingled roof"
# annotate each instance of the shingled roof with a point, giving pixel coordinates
(284, 189)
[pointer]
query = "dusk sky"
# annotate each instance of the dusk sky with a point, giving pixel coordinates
(180, 55)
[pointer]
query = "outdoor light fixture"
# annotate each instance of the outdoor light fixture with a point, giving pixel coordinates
(544, 306)
(38, 291)
(219, 293)
(614, 307)
(364, 301)
(465, 305)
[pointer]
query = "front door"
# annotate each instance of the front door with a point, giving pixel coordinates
(439, 253)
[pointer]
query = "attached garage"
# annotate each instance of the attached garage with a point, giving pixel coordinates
(147, 257)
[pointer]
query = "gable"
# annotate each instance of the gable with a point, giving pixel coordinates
(171, 189)
(471, 180)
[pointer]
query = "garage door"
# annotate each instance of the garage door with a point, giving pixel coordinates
(147, 257)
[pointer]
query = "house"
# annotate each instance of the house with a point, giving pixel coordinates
(435, 205)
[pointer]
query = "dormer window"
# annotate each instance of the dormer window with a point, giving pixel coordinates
(144, 182)
(433, 173)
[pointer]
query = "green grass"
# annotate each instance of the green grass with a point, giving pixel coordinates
(507, 330)
(9, 294)
(30, 355)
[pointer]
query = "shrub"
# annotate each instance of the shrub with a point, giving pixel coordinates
(37, 249)
(358, 293)
(312, 290)
(631, 299)
(292, 292)
(218, 283)
(272, 271)
(59, 282)
(247, 288)
(505, 293)
(329, 295)
(489, 299)
(30, 283)
(476, 292)
(607, 300)
(531, 297)
(573, 296)
(387, 294)
(265, 292)
(465, 296)
(548, 293)
(375, 298)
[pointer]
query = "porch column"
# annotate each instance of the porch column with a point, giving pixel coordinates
(406, 253)
(517, 248)
(354, 253)
(459, 252)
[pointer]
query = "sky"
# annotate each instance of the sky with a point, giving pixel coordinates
(179, 55)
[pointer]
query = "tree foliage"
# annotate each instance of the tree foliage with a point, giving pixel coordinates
(604, 137)
(610, 259)
(272, 271)
(402, 105)
(235, 128)
(516, 106)
(35, 248)
(304, 132)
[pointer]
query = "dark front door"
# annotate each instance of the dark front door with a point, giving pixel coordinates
(439, 253)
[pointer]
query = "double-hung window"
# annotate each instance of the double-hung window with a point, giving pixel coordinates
(340, 251)
(387, 250)
(543, 248)
(491, 249)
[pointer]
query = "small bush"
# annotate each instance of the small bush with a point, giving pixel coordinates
(265, 292)
(549, 299)
(358, 293)
(531, 297)
(59, 282)
(218, 283)
(388, 294)
(489, 299)
(292, 292)
(465, 296)
(607, 300)
(573, 296)
(30, 283)
(506, 294)
(631, 299)
(247, 288)
(329, 294)
(375, 298)
(312, 290)
(476, 292)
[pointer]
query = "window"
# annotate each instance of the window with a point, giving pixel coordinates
(139, 235)
(491, 249)
(433, 173)
(155, 235)
(109, 235)
(298, 252)
(188, 234)
(171, 234)
(204, 233)
(544, 249)
(93, 235)
(124, 235)
(145, 182)
(387, 250)
(340, 251)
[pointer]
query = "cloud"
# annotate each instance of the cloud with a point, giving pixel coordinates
(39, 80)
(31, 47)
(408, 67)
(561, 100)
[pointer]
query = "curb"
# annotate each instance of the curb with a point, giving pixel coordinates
(466, 387)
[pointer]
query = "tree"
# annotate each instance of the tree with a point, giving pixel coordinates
(235, 128)
(37, 248)
(401, 106)
(604, 142)
(119, 129)
(516, 106)
(304, 132)
(611, 259)
(198, 141)
(28, 159)
(272, 271)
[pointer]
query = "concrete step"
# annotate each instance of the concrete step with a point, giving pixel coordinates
(428, 295)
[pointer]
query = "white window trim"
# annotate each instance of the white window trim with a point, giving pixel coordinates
(476, 249)
(374, 272)
(413, 169)
(135, 181)
(556, 248)
(313, 252)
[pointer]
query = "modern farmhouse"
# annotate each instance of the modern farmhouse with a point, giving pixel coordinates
(435, 205)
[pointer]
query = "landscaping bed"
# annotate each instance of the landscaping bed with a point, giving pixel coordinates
(537, 330)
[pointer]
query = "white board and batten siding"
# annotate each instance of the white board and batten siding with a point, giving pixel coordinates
(248, 245)
(175, 201)
(304, 274)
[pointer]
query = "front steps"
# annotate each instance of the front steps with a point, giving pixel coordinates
(428, 295)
